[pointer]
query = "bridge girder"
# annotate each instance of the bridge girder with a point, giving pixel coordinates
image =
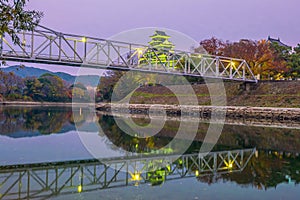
(46, 46)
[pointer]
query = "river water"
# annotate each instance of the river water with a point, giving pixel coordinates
(76, 153)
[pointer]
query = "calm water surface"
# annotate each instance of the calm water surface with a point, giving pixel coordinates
(65, 153)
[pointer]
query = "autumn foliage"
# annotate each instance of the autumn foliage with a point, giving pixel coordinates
(266, 60)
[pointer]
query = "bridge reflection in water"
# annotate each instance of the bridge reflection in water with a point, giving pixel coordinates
(43, 180)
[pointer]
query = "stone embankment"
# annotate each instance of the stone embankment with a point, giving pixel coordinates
(231, 112)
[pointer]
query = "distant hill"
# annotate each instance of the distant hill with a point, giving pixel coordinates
(87, 80)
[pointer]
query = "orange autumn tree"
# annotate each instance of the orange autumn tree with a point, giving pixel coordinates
(262, 59)
(268, 62)
(213, 46)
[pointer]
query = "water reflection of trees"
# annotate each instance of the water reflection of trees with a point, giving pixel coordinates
(266, 170)
(10, 120)
(43, 120)
(129, 142)
(47, 121)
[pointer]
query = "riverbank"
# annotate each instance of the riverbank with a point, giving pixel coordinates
(229, 121)
(282, 94)
(205, 112)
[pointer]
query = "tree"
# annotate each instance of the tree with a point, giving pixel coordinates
(47, 87)
(106, 86)
(14, 18)
(33, 89)
(262, 59)
(294, 65)
(213, 46)
(122, 84)
(79, 93)
(10, 84)
(297, 49)
(269, 63)
(291, 59)
(53, 88)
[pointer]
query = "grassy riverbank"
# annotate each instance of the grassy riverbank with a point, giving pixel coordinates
(281, 94)
(264, 94)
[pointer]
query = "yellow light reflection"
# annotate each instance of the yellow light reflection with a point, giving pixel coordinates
(139, 52)
(136, 176)
(196, 173)
(79, 188)
(229, 165)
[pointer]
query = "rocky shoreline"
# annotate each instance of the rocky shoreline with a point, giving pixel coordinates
(205, 112)
(271, 114)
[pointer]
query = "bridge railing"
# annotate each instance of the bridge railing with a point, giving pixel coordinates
(44, 45)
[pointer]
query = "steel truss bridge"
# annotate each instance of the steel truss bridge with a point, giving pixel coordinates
(43, 45)
(43, 180)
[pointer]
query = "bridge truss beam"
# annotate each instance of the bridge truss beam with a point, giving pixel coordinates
(46, 46)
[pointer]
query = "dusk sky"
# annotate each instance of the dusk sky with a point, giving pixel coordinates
(200, 19)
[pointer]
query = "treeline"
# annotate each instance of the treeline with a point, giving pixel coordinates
(47, 87)
(268, 60)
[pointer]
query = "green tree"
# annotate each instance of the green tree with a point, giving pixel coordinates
(33, 89)
(79, 93)
(53, 88)
(112, 82)
(294, 65)
(47, 87)
(297, 49)
(106, 86)
(291, 58)
(14, 18)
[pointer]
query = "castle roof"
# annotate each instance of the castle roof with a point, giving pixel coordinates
(277, 41)
(160, 33)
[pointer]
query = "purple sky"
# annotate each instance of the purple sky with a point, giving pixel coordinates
(200, 19)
